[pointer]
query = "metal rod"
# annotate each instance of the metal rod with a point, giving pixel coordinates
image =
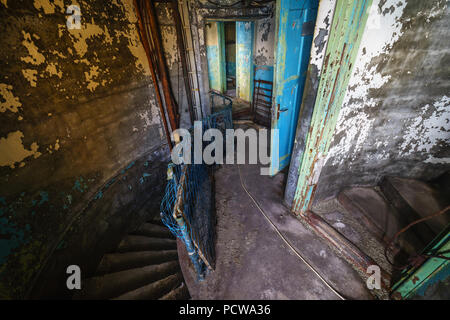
(182, 53)
(165, 82)
(145, 43)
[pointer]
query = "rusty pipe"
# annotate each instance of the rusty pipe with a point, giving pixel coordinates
(182, 53)
(145, 43)
(164, 77)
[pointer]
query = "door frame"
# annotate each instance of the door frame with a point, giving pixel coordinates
(221, 41)
(275, 143)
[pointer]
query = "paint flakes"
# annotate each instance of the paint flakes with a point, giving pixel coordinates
(90, 76)
(13, 151)
(31, 76)
(8, 101)
(80, 37)
(427, 131)
(52, 148)
(34, 56)
(53, 70)
(353, 124)
(48, 6)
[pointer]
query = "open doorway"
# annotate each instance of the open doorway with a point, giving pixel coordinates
(259, 65)
(230, 48)
(230, 58)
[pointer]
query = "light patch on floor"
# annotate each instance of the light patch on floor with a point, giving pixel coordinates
(252, 261)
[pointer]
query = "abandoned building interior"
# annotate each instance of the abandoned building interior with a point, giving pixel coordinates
(354, 96)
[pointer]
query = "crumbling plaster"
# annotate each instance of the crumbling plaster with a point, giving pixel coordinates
(395, 115)
(77, 108)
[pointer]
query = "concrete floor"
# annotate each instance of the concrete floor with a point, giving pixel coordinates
(252, 261)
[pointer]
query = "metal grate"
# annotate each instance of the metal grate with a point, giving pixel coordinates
(187, 206)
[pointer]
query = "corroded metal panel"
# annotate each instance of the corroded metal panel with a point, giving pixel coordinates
(347, 29)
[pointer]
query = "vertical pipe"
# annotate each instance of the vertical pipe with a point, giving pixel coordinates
(182, 51)
(168, 98)
(145, 43)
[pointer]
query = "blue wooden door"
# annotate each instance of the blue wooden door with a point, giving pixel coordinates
(244, 59)
(296, 21)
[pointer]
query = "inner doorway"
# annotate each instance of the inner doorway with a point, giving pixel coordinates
(230, 58)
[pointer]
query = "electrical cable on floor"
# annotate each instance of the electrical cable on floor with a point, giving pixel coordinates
(286, 241)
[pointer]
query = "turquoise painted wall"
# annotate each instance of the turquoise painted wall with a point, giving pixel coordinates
(244, 62)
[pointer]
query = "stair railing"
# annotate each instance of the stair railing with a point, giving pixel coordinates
(187, 208)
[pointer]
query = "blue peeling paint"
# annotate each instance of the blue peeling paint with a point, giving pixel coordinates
(264, 73)
(231, 68)
(438, 276)
(142, 179)
(44, 198)
(80, 185)
(99, 195)
(244, 56)
(293, 53)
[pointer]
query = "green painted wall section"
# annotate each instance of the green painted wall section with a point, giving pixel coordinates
(347, 29)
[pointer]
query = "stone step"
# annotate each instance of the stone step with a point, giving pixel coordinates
(117, 283)
(372, 210)
(115, 262)
(180, 293)
(415, 199)
(143, 243)
(153, 230)
(156, 219)
(153, 290)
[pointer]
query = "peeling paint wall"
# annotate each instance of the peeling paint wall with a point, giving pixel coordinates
(168, 33)
(322, 28)
(263, 55)
(395, 118)
(244, 64)
(77, 108)
(347, 29)
(213, 50)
